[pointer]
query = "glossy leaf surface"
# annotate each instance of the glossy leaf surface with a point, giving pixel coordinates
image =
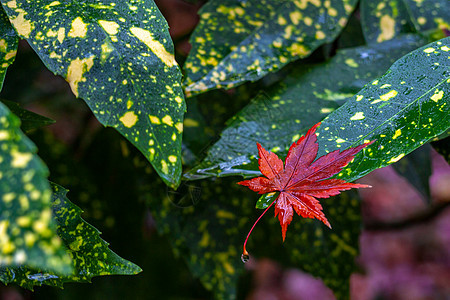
(266, 199)
(401, 111)
(238, 41)
(27, 230)
(383, 20)
(90, 254)
(429, 15)
(290, 108)
(118, 57)
(8, 45)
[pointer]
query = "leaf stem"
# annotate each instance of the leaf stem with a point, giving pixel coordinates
(248, 235)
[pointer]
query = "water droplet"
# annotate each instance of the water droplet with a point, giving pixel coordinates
(245, 258)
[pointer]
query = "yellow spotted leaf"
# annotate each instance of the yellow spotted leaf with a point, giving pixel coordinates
(291, 107)
(27, 229)
(118, 57)
(383, 20)
(89, 253)
(209, 235)
(8, 45)
(401, 110)
(238, 41)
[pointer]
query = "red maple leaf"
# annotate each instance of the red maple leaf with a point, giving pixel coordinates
(302, 179)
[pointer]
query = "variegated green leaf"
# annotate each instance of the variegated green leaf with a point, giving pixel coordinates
(8, 45)
(28, 119)
(210, 235)
(240, 41)
(291, 108)
(27, 230)
(402, 110)
(429, 15)
(383, 20)
(118, 57)
(90, 254)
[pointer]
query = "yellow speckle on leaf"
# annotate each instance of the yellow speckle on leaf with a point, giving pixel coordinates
(155, 46)
(223, 214)
(385, 97)
(205, 240)
(12, 4)
(340, 141)
(78, 29)
(10, 54)
(167, 120)
(295, 17)
(397, 133)
(109, 26)
(320, 35)
(61, 34)
(387, 25)
(326, 110)
(396, 158)
(389, 95)
(351, 62)
(20, 160)
(164, 167)
(154, 119)
(172, 159)
(179, 127)
(4, 135)
(359, 97)
(421, 20)
(8, 197)
(23, 221)
(106, 50)
(298, 49)
(129, 104)
(129, 119)
(429, 50)
(358, 116)
(437, 95)
(76, 70)
(445, 48)
(308, 21)
(23, 26)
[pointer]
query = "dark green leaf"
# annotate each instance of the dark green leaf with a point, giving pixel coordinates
(8, 45)
(291, 108)
(28, 119)
(240, 41)
(119, 58)
(402, 110)
(429, 15)
(265, 200)
(416, 168)
(90, 254)
(210, 234)
(27, 230)
(383, 20)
